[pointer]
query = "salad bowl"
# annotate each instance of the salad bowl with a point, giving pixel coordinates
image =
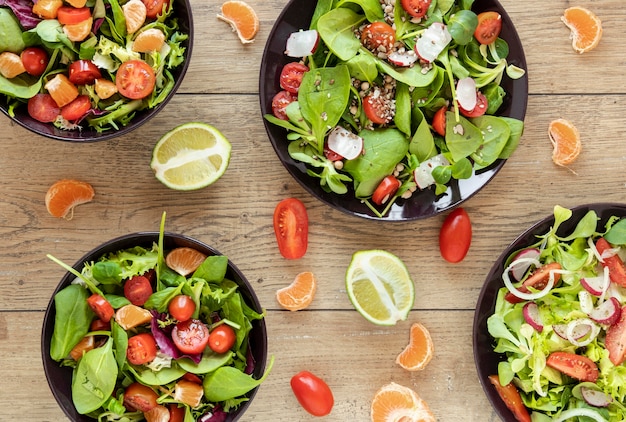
(182, 14)
(59, 377)
(423, 203)
(486, 359)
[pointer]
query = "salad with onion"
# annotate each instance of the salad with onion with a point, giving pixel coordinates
(560, 322)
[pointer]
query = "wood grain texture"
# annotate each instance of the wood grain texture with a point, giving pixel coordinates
(235, 216)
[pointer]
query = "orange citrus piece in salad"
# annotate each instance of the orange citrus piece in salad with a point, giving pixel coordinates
(242, 18)
(66, 194)
(394, 402)
(149, 40)
(419, 351)
(299, 294)
(135, 13)
(11, 65)
(79, 31)
(585, 27)
(565, 141)
(184, 260)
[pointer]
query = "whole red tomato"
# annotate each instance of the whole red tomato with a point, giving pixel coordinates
(313, 393)
(455, 236)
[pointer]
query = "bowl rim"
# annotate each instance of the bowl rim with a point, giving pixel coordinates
(143, 238)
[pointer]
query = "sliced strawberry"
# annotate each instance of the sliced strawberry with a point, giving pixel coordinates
(615, 341)
(617, 270)
(537, 280)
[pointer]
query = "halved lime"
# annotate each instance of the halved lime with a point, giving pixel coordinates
(380, 286)
(191, 156)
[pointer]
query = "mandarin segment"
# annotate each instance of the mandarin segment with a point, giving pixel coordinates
(585, 27)
(64, 195)
(299, 294)
(184, 260)
(565, 140)
(394, 403)
(419, 351)
(151, 39)
(242, 18)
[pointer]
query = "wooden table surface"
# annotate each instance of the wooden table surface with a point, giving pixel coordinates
(234, 215)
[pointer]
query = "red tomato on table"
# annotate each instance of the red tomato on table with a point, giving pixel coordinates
(455, 236)
(312, 393)
(291, 226)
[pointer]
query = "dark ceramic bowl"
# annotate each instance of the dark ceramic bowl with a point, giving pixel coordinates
(485, 358)
(182, 12)
(59, 378)
(297, 15)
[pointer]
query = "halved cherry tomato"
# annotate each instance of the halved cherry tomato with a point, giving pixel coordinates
(455, 236)
(154, 7)
(330, 154)
(416, 8)
(86, 344)
(77, 108)
(35, 60)
(142, 348)
(83, 72)
(376, 108)
(537, 280)
(140, 397)
(576, 366)
(177, 414)
(386, 189)
(291, 227)
(280, 102)
(135, 79)
(617, 269)
(489, 27)
(99, 325)
(222, 338)
(291, 76)
(439, 121)
(479, 109)
(42, 107)
(101, 307)
(181, 307)
(511, 397)
(615, 341)
(68, 15)
(192, 378)
(137, 289)
(378, 36)
(190, 336)
(313, 394)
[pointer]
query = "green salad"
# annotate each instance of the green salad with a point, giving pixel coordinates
(560, 321)
(392, 99)
(146, 342)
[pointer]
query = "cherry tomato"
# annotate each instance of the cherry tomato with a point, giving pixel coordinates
(140, 397)
(291, 76)
(489, 27)
(42, 107)
(313, 393)
(181, 307)
(378, 36)
(576, 366)
(83, 72)
(68, 15)
(77, 108)
(154, 7)
(137, 289)
(280, 102)
(439, 121)
(192, 378)
(455, 236)
(99, 325)
(376, 108)
(101, 307)
(511, 397)
(135, 79)
(35, 60)
(142, 348)
(291, 227)
(537, 280)
(416, 8)
(190, 336)
(617, 270)
(330, 154)
(479, 109)
(386, 189)
(177, 414)
(222, 338)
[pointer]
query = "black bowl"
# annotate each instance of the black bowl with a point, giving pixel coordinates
(485, 358)
(182, 12)
(59, 378)
(297, 15)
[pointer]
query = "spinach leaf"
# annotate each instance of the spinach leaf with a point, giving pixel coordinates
(11, 39)
(120, 343)
(422, 143)
(585, 227)
(161, 377)
(495, 135)
(161, 298)
(413, 76)
(516, 128)
(210, 362)
(228, 382)
(402, 118)
(322, 7)
(363, 67)
(371, 8)
(617, 233)
(462, 137)
(107, 272)
(424, 96)
(462, 25)
(336, 30)
(94, 378)
(71, 322)
(213, 269)
(20, 87)
(330, 178)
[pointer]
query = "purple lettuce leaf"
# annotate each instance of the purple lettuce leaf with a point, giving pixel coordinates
(163, 337)
(23, 11)
(216, 415)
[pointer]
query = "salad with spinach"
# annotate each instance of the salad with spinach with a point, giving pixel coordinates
(388, 98)
(145, 342)
(88, 63)
(560, 322)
